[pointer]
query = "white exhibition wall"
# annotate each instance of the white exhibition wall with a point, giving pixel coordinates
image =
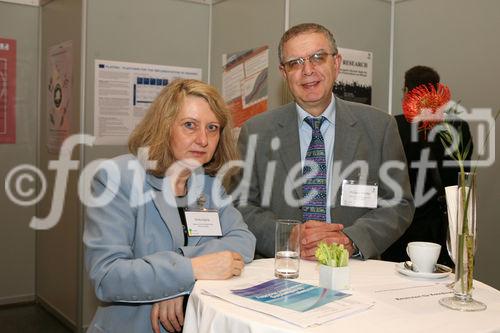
(17, 240)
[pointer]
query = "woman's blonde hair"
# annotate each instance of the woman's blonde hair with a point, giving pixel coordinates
(154, 131)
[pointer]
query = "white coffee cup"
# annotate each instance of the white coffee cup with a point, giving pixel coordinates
(423, 255)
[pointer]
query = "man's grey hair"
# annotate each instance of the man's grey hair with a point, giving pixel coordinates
(302, 29)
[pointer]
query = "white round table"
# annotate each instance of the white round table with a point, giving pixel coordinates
(402, 304)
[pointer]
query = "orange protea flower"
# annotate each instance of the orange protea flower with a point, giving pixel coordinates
(426, 105)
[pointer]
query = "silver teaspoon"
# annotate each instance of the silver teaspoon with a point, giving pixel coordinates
(437, 268)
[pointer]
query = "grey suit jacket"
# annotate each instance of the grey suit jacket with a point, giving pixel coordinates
(362, 133)
(135, 254)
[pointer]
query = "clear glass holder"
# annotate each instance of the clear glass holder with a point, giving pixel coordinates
(465, 247)
(450, 285)
(465, 303)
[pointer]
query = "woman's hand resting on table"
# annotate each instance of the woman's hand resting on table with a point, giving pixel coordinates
(217, 266)
(169, 313)
(213, 266)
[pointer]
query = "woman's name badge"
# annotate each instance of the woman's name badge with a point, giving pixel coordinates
(203, 222)
(358, 195)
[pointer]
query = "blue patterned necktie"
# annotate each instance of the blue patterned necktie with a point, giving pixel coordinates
(315, 209)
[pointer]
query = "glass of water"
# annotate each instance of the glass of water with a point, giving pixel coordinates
(287, 249)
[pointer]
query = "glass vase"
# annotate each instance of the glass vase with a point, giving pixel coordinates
(465, 243)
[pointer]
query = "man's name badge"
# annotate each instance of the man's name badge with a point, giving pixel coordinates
(358, 195)
(203, 222)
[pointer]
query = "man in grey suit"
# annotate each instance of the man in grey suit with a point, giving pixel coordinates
(361, 154)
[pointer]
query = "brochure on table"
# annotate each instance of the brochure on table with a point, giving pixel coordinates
(297, 303)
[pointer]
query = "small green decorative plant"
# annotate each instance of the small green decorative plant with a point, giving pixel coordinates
(334, 255)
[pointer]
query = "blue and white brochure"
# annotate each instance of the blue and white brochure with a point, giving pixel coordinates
(290, 294)
(297, 303)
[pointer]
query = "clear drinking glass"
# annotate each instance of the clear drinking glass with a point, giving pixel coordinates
(287, 249)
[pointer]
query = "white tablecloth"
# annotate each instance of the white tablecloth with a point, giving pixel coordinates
(376, 280)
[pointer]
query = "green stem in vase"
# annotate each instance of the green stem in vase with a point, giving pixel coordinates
(467, 238)
(460, 263)
(469, 234)
(469, 243)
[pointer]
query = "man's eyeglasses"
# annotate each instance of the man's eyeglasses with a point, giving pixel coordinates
(318, 58)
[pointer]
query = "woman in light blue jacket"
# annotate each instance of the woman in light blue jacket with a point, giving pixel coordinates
(138, 251)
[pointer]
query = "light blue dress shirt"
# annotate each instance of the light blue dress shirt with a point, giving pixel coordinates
(328, 132)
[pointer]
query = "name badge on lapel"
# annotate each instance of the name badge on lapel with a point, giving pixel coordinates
(202, 221)
(358, 195)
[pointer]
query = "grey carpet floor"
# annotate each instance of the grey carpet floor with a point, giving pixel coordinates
(30, 318)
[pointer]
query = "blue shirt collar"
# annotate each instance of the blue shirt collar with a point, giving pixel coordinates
(329, 113)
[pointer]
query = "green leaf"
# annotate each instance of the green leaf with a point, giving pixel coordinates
(334, 255)
(467, 149)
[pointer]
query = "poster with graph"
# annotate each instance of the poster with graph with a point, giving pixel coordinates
(244, 82)
(123, 93)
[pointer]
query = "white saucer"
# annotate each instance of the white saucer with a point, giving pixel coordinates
(400, 267)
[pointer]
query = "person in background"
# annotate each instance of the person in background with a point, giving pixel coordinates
(323, 139)
(430, 222)
(139, 256)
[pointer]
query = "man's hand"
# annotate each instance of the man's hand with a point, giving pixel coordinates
(217, 266)
(169, 313)
(312, 232)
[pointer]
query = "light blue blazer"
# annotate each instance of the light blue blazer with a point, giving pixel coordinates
(135, 253)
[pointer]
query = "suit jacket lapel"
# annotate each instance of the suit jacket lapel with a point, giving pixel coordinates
(347, 138)
(346, 134)
(288, 132)
(195, 190)
(168, 212)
